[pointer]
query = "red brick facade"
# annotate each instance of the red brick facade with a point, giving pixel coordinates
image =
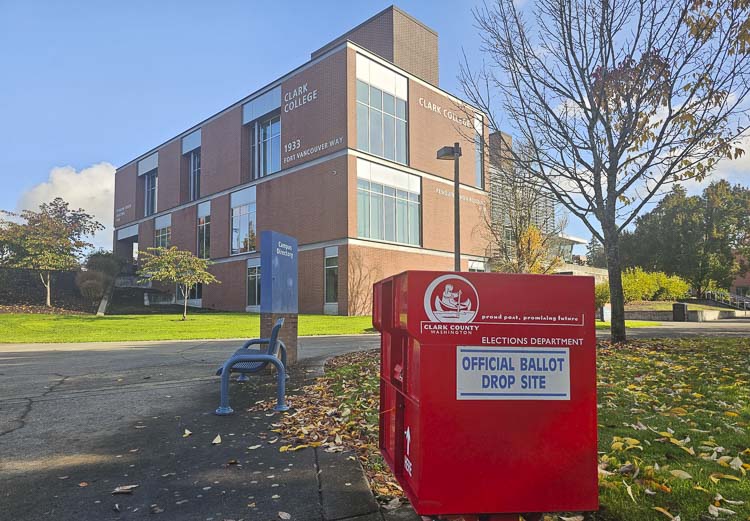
(314, 196)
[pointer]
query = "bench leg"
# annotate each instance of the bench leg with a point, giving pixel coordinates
(281, 377)
(224, 409)
(242, 377)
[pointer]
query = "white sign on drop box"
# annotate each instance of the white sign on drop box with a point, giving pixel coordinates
(512, 373)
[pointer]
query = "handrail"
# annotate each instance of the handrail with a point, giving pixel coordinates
(730, 299)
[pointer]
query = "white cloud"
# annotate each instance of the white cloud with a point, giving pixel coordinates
(92, 189)
(736, 171)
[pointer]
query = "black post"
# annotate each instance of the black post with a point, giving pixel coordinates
(456, 210)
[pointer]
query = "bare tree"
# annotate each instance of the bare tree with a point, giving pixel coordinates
(617, 99)
(360, 279)
(522, 229)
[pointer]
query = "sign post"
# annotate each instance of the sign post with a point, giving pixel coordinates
(278, 282)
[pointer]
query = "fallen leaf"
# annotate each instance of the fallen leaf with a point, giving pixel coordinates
(284, 515)
(680, 474)
(253, 447)
(83, 484)
(125, 489)
(186, 433)
(664, 511)
(630, 491)
(217, 439)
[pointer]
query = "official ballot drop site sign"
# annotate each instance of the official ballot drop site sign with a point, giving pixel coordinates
(489, 379)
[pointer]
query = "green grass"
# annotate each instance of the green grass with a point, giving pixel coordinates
(678, 405)
(27, 328)
(33, 328)
(663, 305)
(628, 323)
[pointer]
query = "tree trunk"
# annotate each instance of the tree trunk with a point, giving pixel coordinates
(46, 283)
(184, 300)
(616, 295)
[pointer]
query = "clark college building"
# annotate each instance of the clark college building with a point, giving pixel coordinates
(339, 153)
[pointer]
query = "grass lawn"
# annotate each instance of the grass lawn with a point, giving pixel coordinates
(674, 426)
(28, 328)
(22, 328)
(664, 305)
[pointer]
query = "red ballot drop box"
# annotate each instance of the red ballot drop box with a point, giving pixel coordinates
(488, 391)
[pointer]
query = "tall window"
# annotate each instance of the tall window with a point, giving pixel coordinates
(253, 285)
(243, 221)
(478, 152)
(381, 123)
(332, 280)
(387, 213)
(268, 146)
(194, 165)
(204, 230)
(151, 181)
(162, 232)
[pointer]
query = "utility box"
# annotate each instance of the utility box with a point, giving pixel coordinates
(679, 312)
(488, 392)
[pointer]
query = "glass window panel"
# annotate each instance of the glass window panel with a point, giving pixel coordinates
(400, 141)
(389, 137)
(402, 194)
(376, 132)
(400, 108)
(363, 92)
(363, 214)
(332, 282)
(332, 261)
(275, 154)
(363, 183)
(413, 197)
(388, 190)
(375, 187)
(376, 98)
(376, 216)
(389, 214)
(402, 221)
(389, 103)
(363, 127)
(414, 223)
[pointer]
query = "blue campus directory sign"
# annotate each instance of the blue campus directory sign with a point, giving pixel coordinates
(278, 273)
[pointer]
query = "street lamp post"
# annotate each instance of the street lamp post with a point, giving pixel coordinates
(448, 153)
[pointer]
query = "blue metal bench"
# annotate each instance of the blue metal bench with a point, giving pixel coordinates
(248, 361)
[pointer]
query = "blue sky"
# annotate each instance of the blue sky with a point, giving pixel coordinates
(88, 82)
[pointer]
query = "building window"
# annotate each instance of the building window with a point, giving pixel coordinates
(477, 266)
(253, 286)
(387, 213)
(204, 230)
(478, 152)
(194, 169)
(267, 146)
(381, 123)
(332, 280)
(196, 292)
(243, 221)
(151, 181)
(162, 237)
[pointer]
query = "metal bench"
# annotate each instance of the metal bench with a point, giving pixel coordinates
(248, 361)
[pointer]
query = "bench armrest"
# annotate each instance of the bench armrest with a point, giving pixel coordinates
(282, 349)
(255, 341)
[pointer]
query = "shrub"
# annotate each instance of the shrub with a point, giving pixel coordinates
(671, 287)
(638, 284)
(92, 284)
(601, 294)
(104, 262)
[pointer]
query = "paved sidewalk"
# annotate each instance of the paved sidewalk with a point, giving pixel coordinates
(65, 445)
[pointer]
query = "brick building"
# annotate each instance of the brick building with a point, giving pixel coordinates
(339, 153)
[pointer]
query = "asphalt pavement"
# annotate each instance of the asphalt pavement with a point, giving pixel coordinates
(79, 420)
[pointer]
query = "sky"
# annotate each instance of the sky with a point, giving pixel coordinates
(89, 85)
